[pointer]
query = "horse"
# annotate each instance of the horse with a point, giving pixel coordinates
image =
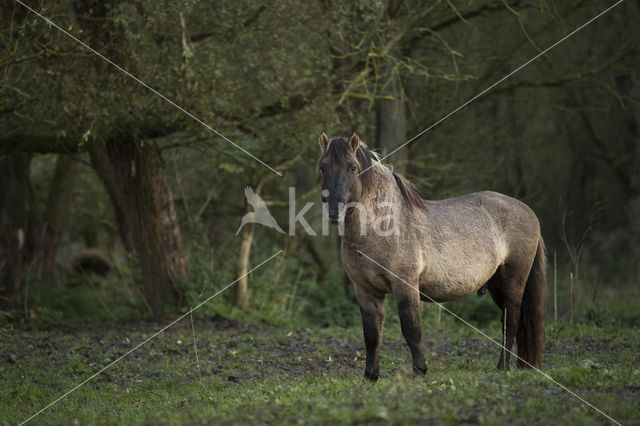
(432, 251)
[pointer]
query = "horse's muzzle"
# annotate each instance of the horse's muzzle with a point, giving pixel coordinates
(337, 216)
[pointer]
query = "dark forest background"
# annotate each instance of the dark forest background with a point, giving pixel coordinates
(114, 204)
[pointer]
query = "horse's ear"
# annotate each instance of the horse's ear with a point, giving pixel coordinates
(354, 142)
(324, 141)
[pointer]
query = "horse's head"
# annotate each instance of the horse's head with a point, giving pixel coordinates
(340, 166)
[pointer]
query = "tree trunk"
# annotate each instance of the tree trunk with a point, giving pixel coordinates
(146, 215)
(16, 206)
(101, 164)
(169, 229)
(391, 124)
(241, 296)
(60, 196)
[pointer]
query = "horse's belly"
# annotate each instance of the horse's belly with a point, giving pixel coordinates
(442, 291)
(443, 282)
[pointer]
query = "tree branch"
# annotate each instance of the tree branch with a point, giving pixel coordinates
(45, 144)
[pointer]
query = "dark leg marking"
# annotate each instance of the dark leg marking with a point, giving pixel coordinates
(409, 312)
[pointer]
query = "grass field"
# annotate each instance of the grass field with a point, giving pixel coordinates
(249, 372)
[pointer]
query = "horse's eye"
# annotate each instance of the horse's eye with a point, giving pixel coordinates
(352, 168)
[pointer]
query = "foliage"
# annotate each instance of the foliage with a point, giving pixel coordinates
(561, 134)
(328, 305)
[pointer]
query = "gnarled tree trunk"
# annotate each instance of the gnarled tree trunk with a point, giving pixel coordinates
(145, 213)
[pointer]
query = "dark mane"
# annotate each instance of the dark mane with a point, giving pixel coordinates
(409, 192)
(340, 151)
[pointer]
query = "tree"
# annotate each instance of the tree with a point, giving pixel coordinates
(56, 212)
(16, 218)
(146, 214)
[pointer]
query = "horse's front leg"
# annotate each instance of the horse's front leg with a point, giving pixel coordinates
(409, 311)
(372, 311)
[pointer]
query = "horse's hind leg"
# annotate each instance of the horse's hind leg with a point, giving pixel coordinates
(509, 333)
(372, 311)
(409, 312)
(506, 289)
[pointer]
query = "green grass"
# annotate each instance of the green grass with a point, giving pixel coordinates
(257, 373)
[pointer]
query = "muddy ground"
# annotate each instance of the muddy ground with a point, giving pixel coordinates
(302, 366)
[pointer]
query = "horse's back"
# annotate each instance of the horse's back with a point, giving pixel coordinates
(509, 211)
(486, 207)
(518, 224)
(506, 220)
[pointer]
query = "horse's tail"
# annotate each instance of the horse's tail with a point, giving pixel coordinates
(530, 334)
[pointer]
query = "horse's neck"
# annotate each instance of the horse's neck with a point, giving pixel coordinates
(380, 201)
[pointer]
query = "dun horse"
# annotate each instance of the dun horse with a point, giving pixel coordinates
(432, 250)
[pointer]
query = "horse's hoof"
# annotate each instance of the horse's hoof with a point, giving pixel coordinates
(419, 371)
(373, 376)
